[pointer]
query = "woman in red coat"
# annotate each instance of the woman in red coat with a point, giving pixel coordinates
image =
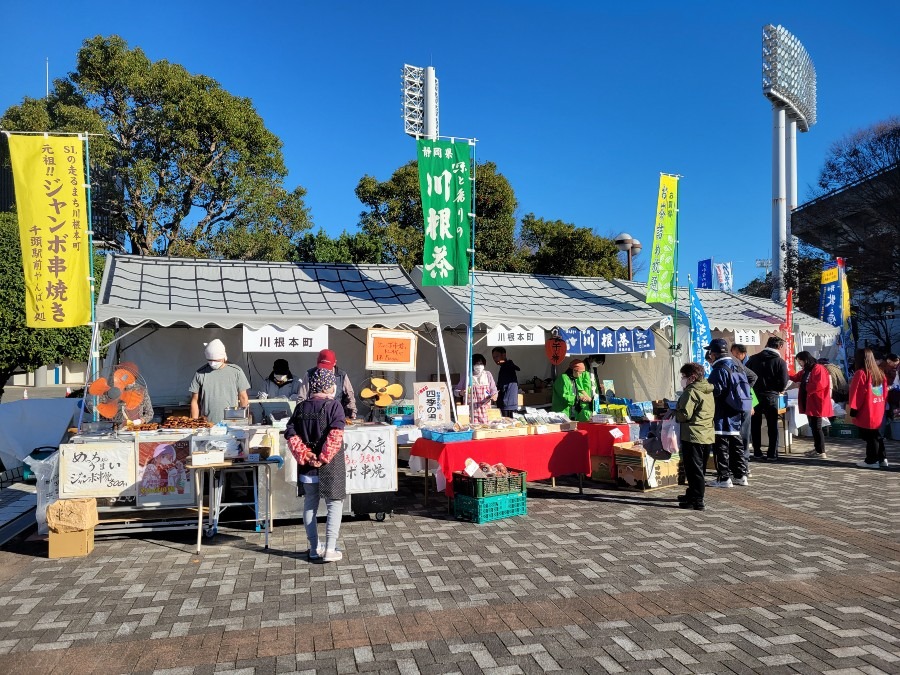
(814, 398)
(867, 407)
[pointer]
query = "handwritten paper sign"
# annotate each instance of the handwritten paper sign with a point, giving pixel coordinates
(97, 470)
(433, 403)
(390, 350)
(371, 457)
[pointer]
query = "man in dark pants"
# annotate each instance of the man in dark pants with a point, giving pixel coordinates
(772, 378)
(731, 392)
(739, 354)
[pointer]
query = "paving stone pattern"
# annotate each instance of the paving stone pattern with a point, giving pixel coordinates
(799, 573)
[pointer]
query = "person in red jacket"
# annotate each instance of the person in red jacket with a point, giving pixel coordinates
(866, 403)
(814, 399)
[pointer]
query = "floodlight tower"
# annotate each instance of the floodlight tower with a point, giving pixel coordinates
(789, 82)
(420, 102)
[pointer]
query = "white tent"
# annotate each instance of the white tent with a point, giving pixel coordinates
(165, 309)
(545, 302)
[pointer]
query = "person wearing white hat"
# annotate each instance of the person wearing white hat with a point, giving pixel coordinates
(217, 385)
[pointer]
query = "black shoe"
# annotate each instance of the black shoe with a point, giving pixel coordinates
(692, 505)
(682, 498)
(759, 458)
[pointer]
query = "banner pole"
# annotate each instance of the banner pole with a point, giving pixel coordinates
(95, 329)
(675, 295)
(470, 349)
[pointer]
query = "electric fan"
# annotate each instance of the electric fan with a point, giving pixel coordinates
(381, 393)
(118, 396)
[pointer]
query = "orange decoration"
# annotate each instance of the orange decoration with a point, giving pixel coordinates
(556, 350)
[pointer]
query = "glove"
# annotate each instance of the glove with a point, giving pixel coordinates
(262, 395)
(137, 421)
(853, 412)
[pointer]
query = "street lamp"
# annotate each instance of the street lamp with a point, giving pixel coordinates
(631, 246)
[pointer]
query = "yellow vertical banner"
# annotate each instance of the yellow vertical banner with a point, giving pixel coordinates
(48, 173)
(661, 279)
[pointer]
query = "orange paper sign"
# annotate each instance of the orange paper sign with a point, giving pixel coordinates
(391, 350)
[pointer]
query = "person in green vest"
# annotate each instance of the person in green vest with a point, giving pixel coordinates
(574, 392)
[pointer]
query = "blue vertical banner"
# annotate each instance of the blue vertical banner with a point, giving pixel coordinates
(700, 334)
(572, 336)
(704, 273)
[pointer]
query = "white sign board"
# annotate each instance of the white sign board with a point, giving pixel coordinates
(371, 456)
(294, 339)
(828, 340)
(807, 340)
(391, 349)
(514, 336)
(746, 337)
(433, 403)
(97, 470)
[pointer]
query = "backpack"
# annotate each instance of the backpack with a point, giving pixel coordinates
(739, 396)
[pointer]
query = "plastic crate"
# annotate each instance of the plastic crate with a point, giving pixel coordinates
(489, 509)
(463, 484)
(447, 436)
(838, 430)
(399, 410)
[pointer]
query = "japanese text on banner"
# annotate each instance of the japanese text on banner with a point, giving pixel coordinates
(661, 281)
(700, 335)
(48, 172)
(444, 181)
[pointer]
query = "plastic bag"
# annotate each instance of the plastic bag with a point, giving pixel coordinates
(47, 473)
(671, 432)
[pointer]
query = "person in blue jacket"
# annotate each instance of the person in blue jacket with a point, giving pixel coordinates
(507, 382)
(731, 391)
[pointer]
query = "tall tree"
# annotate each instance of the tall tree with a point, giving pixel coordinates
(357, 248)
(183, 160)
(394, 217)
(556, 247)
(23, 348)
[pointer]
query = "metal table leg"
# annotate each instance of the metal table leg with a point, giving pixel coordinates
(198, 480)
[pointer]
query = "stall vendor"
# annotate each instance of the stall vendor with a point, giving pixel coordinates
(574, 394)
(507, 382)
(481, 389)
(217, 385)
(343, 391)
(280, 383)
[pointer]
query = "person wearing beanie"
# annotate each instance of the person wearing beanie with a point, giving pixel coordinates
(280, 383)
(217, 385)
(315, 435)
(327, 360)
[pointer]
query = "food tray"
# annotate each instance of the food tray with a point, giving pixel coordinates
(489, 509)
(500, 433)
(464, 484)
(447, 436)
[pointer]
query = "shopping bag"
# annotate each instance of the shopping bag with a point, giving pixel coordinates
(671, 432)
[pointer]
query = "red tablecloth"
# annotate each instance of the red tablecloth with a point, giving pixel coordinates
(542, 455)
(599, 439)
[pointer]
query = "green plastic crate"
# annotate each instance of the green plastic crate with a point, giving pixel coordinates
(489, 509)
(399, 410)
(838, 430)
(463, 484)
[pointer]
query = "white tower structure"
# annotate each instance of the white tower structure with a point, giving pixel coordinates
(789, 82)
(420, 102)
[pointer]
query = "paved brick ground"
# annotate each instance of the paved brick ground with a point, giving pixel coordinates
(798, 573)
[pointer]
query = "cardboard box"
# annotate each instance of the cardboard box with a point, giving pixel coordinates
(633, 475)
(71, 544)
(72, 515)
(603, 469)
(537, 398)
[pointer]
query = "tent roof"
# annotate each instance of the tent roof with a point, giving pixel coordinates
(735, 311)
(229, 293)
(539, 301)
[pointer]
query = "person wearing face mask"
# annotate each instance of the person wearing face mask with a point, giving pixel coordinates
(695, 411)
(481, 389)
(280, 383)
(575, 394)
(217, 385)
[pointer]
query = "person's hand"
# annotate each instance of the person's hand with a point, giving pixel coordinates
(261, 394)
(494, 397)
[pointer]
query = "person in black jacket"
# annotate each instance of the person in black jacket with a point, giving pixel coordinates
(739, 354)
(507, 382)
(772, 378)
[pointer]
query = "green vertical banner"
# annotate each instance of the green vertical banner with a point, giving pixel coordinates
(444, 170)
(661, 281)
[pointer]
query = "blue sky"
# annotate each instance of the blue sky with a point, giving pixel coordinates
(580, 104)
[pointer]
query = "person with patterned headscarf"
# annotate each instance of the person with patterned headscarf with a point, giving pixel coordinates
(315, 435)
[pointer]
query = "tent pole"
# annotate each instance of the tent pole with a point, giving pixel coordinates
(440, 337)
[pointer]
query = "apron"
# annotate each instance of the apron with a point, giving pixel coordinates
(480, 410)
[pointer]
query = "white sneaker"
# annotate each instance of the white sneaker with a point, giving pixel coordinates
(742, 481)
(883, 464)
(862, 464)
(319, 552)
(720, 483)
(333, 555)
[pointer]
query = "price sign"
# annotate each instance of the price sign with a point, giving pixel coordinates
(97, 470)
(390, 350)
